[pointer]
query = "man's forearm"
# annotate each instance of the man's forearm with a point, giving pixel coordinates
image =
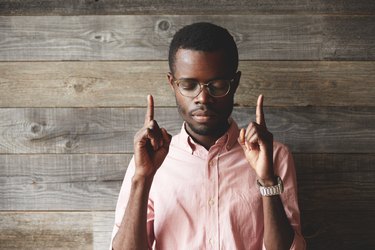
(278, 233)
(132, 233)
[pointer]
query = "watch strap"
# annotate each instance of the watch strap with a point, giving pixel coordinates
(272, 190)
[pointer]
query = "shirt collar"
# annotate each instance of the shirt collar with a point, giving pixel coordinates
(228, 140)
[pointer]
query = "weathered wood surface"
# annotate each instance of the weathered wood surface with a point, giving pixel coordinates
(92, 182)
(56, 230)
(61, 182)
(336, 182)
(146, 37)
(98, 7)
(348, 230)
(111, 130)
(119, 84)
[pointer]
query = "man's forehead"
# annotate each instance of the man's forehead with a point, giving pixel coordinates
(203, 65)
(187, 57)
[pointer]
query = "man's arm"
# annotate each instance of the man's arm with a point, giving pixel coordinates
(278, 233)
(132, 233)
(257, 143)
(151, 145)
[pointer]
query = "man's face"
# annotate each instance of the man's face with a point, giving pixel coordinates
(204, 115)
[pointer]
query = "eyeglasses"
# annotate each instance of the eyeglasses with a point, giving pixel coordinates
(192, 88)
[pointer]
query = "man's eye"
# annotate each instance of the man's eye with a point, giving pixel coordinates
(219, 84)
(188, 85)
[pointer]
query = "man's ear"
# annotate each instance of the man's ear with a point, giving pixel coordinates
(236, 81)
(170, 80)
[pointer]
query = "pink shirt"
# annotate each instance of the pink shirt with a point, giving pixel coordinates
(203, 199)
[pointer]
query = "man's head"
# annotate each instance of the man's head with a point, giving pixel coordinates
(206, 54)
(206, 37)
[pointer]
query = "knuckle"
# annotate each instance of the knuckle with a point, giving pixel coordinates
(151, 124)
(251, 125)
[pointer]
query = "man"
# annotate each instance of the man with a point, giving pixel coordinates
(212, 186)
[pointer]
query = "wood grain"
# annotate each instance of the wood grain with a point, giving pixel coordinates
(111, 130)
(56, 230)
(346, 230)
(119, 84)
(146, 37)
(126, 7)
(336, 182)
(61, 182)
(92, 182)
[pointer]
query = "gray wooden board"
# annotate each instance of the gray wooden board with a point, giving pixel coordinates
(118, 84)
(61, 182)
(336, 182)
(344, 230)
(90, 7)
(111, 130)
(146, 37)
(92, 182)
(56, 230)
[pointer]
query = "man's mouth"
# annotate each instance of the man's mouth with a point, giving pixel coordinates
(203, 116)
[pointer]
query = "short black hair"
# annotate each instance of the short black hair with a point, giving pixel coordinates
(207, 37)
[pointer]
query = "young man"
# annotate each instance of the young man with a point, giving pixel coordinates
(212, 186)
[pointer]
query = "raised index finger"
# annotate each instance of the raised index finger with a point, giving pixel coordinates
(259, 112)
(150, 110)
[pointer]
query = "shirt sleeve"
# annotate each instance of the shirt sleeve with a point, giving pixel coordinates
(284, 167)
(122, 202)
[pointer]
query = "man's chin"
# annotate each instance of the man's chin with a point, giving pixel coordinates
(205, 129)
(201, 129)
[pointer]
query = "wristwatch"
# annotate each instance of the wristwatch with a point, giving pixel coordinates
(272, 190)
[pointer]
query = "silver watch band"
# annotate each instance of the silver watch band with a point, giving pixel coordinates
(273, 190)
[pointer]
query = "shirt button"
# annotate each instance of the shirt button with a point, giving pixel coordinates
(211, 202)
(211, 241)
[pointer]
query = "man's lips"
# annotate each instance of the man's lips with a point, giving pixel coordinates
(203, 115)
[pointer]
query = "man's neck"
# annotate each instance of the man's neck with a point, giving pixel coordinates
(206, 140)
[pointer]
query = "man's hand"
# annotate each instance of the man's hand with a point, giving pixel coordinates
(151, 144)
(257, 143)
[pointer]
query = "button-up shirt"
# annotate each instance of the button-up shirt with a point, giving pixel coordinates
(203, 199)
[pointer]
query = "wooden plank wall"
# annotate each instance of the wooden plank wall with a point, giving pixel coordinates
(73, 81)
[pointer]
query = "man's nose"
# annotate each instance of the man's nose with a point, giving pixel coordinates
(204, 96)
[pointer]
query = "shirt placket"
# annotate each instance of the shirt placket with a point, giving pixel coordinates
(212, 200)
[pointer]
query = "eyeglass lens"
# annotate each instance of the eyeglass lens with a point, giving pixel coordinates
(192, 88)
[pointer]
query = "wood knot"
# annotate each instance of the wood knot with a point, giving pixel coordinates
(164, 25)
(78, 87)
(35, 128)
(71, 143)
(68, 144)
